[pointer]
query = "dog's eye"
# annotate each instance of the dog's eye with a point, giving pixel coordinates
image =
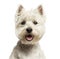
(35, 22)
(23, 22)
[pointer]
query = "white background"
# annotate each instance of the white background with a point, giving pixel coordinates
(50, 43)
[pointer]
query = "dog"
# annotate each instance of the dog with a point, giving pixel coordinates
(29, 30)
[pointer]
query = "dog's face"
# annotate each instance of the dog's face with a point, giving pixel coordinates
(30, 25)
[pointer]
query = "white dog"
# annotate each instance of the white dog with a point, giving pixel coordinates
(29, 30)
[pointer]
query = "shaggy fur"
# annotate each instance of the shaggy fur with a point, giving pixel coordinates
(28, 46)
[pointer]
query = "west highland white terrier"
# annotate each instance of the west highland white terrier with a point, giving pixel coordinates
(29, 30)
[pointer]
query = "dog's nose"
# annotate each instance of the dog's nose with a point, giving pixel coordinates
(29, 30)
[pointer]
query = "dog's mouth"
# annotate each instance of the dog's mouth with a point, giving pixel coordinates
(29, 37)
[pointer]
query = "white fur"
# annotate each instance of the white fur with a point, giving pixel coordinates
(35, 53)
(38, 31)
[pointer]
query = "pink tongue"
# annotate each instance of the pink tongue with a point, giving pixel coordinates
(29, 38)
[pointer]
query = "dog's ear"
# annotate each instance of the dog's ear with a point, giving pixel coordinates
(40, 9)
(19, 9)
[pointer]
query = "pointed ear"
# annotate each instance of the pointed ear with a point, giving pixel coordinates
(40, 9)
(19, 9)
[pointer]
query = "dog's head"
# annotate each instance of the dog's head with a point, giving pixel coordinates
(30, 25)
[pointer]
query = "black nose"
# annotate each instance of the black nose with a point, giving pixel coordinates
(29, 30)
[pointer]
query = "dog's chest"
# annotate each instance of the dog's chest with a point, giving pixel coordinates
(31, 55)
